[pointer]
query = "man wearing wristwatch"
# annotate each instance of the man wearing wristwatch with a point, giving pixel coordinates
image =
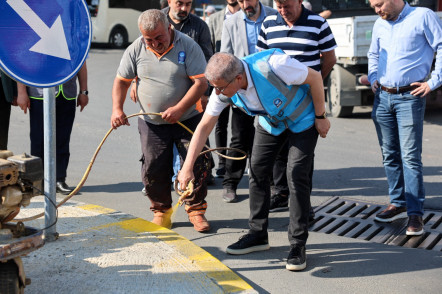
(68, 97)
(288, 98)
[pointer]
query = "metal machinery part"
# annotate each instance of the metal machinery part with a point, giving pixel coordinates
(20, 179)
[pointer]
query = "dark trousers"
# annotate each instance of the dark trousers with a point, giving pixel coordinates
(157, 143)
(301, 148)
(243, 132)
(5, 113)
(221, 134)
(280, 172)
(64, 121)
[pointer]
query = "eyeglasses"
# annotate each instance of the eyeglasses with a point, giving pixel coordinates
(221, 90)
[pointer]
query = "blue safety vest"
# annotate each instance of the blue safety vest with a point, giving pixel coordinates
(286, 106)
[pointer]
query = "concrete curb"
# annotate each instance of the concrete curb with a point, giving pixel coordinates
(107, 249)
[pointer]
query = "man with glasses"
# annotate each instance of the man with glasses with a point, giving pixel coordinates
(160, 56)
(239, 37)
(265, 84)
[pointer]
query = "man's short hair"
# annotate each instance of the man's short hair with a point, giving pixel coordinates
(150, 19)
(224, 66)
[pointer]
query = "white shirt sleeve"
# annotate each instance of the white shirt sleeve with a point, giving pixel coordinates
(288, 69)
(215, 105)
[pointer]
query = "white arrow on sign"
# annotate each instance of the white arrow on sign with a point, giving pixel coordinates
(53, 40)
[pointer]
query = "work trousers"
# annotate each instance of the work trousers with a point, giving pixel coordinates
(301, 148)
(64, 121)
(243, 131)
(221, 134)
(157, 143)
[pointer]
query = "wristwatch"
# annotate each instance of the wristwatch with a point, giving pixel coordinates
(84, 92)
(322, 116)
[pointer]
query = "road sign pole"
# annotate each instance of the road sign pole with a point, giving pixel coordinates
(49, 163)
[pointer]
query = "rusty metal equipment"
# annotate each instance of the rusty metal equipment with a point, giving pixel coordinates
(20, 179)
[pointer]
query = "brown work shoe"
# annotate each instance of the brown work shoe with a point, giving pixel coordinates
(415, 226)
(163, 218)
(199, 221)
(391, 213)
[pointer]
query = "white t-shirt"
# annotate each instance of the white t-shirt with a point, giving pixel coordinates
(288, 69)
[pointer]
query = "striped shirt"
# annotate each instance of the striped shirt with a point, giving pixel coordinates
(309, 36)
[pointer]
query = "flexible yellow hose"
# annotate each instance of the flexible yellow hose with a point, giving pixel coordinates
(91, 163)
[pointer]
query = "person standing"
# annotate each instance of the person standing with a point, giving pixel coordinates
(216, 29)
(288, 98)
(179, 16)
(403, 44)
(8, 91)
(67, 99)
(239, 37)
(170, 70)
(306, 37)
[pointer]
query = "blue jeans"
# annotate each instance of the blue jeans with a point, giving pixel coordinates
(399, 120)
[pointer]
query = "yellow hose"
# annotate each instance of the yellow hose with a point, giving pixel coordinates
(91, 163)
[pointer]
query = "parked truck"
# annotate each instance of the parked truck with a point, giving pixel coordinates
(352, 24)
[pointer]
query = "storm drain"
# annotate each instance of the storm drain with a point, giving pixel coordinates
(355, 219)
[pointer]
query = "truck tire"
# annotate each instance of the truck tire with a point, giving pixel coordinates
(118, 38)
(9, 279)
(334, 92)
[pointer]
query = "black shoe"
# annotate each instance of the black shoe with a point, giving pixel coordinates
(415, 226)
(229, 195)
(391, 213)
(249, 243)
(278, 202)
(297, 259)
(63, 188)
(220, 172)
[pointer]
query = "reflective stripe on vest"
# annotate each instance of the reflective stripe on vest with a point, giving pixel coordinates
(65, 90)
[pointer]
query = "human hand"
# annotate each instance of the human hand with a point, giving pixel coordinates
(323, 126)
(82, 101)
(375, 86)
(204, 101)
(133, 91)
(184, 177)
(172, 114)
(422, 90)
(23, 102)
(118, 118)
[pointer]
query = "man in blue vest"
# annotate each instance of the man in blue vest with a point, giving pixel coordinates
(289, 99)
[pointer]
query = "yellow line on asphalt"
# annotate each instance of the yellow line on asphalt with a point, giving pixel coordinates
(212, 267)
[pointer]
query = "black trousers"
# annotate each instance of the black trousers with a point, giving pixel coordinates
(157, 143)
(221, 134)
(5, 113)
(301, 148)
(64, 121)
(243, 132)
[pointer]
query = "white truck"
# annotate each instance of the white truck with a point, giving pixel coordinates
(344, 89)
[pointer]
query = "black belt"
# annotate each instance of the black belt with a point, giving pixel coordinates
(400, 90)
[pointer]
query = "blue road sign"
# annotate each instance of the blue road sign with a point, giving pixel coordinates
(44, 43)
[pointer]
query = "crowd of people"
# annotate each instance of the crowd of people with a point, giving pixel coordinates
(261, 70)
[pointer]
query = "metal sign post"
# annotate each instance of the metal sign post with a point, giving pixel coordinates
(44, 43)
(49, 163)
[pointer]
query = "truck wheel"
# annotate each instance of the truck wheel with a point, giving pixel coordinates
(334, 92)
(118, 38)
(9, 280)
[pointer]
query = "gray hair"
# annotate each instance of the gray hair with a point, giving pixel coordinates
(224, 66)
(150, 19)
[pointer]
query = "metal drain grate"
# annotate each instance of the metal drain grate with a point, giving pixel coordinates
(355, 219)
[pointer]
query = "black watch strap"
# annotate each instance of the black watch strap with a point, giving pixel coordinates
(84, 92)
(322, 116)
